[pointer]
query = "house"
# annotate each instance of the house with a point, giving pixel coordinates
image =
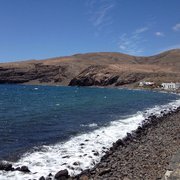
(172, 86)
(145, 83)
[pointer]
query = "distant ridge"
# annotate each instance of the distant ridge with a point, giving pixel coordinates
(94, 69)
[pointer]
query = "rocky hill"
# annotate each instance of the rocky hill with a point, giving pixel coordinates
(94, 69)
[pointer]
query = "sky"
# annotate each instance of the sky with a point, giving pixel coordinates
(39, 29)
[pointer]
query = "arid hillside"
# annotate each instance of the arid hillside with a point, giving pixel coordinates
(94, 69)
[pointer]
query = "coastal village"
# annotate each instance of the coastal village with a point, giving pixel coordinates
(170, 86)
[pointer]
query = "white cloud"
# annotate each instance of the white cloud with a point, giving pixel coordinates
(141, 30)
(131, 43)
(122, 47)
(176, 27)
(100, 13)
(159, 34)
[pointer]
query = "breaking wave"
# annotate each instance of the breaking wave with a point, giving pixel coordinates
(83, 151)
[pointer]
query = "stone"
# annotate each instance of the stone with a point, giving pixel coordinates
(6, 166)
(24, 169)
(66, 157)
(105, 171)
(42, 178)
(96, 154)
(62, 174)
(84, 177)
(76, 163)
(119, 142)
(49, 178)
(18, 169)
(50, 174)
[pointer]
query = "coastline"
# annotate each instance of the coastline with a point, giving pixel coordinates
(99, 171)
(127, 86)
(144, 154)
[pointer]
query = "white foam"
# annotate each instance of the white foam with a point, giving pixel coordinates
(80, 149)
(89, 125)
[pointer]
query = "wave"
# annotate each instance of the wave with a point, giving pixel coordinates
(83, 151)
(90, 125)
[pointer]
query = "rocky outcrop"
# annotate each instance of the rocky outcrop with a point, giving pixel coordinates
(37, 72)
(105, 76)
(6, 166)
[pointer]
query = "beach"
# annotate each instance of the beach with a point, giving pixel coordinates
(144, 155)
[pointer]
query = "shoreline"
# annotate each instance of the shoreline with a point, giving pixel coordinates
(128, 87)
(144, 154)
(148, 123)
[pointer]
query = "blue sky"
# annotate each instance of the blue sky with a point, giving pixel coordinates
(37, 29)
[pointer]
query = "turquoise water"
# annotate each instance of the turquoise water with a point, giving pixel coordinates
(41, 124)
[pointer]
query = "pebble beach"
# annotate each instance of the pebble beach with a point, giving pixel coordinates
(144, 155)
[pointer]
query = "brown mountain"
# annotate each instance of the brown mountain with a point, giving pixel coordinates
(100, 69)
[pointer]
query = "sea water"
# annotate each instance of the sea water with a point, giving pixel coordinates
(54, 128)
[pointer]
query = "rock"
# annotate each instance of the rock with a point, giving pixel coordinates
(84, 177)
(105, 171)
(49, 178)
(76, 163)
(96, 154)
(97, 75)
(128, 137)
(18, 169)
(138, 130)
(24, 169)
(6, 166)
(61, 175)
(50, 174)
(120, 142)
(42, 178)
(66, 157)
(126, 178)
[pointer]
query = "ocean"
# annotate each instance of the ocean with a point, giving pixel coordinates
(49, 128)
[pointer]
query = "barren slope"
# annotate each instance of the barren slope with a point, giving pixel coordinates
(89, 69)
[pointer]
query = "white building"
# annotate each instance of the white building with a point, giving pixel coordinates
(171, 85)
(145, 83)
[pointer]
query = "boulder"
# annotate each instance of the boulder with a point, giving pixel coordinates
(96, 153)
(105, 171)
(42, 178)
(84, 177)
(120, 142)
(6, 166)
(61, 175)
(76, 163)
(24, 169)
